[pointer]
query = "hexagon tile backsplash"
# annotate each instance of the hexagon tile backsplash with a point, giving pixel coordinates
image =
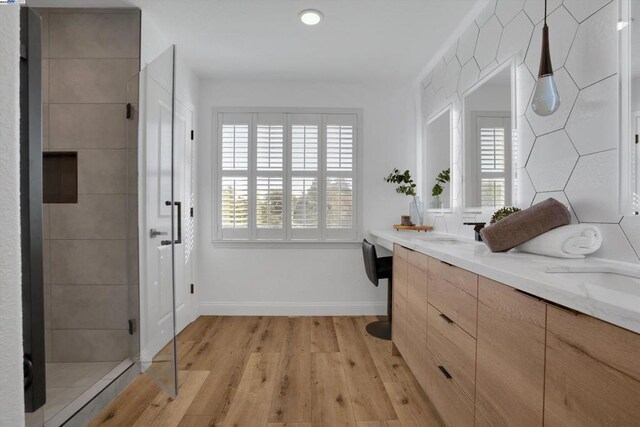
(570, 155)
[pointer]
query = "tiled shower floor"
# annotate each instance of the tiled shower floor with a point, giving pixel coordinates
(67, 381)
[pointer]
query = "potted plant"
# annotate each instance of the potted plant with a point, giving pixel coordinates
(407, 187)
(444, 177)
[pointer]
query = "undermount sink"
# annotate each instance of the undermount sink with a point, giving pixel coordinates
(444, 241)
(600, 270)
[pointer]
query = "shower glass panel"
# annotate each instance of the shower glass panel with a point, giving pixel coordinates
(160, 218)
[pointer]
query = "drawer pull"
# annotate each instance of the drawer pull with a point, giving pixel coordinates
(527, 294)
(446, 373)
(446, 318)
(447, 264)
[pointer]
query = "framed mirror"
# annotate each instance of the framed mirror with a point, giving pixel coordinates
(629, 73)
(438, 145)
(488, 124)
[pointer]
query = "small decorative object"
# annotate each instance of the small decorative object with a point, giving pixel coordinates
(408, 187)
(405, 220)
(546, 99)
(444, 177)
(503, 213)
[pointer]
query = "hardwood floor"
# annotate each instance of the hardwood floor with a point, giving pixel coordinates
(276, 372)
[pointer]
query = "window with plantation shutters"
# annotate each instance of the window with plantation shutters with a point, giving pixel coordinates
(494, 137)
(287, 176)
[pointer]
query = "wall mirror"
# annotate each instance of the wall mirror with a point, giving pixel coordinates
(488, 126)
(629, 73)
(438, 160)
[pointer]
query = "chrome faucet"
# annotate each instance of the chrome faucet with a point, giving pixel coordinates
(477, 227)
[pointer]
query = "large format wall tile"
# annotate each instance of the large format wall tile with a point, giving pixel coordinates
(90, 80)
(93, 217)
(486, 13)
(92, 262)
(593, 124)
(488, 41)
(78, 126)
(89, 345)
(582, 9)
(515, 38)
(506, 10)
(551, 162)
(593, 189)
(594, 55)
(89, 306)
(93, 35)
(535, 9)
(468, 76)
(452, 77)
(102, 172)
(467, 43)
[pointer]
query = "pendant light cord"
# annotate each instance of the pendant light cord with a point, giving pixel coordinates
(545, 12)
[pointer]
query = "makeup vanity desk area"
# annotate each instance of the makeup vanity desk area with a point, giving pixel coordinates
(495, 339)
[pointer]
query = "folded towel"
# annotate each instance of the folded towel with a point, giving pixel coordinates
(569, 241)
(523, 226)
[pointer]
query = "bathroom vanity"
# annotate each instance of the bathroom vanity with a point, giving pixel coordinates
(498, 339)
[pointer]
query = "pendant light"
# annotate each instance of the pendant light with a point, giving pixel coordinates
(546, 100)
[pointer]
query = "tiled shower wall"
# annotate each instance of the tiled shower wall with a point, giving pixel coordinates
(570, 155)
(89, 57)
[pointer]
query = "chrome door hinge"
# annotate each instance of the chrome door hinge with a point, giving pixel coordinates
(132, 326)
(129, 111)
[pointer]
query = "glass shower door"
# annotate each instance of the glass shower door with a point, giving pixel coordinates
(160, 217)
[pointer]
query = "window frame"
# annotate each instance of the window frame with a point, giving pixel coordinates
(287, 236)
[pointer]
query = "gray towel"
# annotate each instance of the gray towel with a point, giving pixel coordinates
(523, 226)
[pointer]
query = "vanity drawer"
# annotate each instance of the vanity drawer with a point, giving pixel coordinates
(400, 251)
(455, 348)
(461, 279)
(452, 404)
(454, 303)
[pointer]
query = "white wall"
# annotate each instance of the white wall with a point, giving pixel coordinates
(11, 385)
(570, 155)
(304, 281)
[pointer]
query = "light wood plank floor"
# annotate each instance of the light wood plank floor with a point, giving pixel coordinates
(279, 371)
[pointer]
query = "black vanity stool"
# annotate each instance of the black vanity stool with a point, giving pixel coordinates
(378, 268)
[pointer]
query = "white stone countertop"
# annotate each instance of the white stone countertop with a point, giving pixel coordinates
(614, 298)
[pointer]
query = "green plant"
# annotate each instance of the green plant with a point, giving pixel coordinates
(404, 181)
(444, 177)
(502, 213)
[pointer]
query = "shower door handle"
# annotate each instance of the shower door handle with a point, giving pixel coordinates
(179, 205)
(155, 233)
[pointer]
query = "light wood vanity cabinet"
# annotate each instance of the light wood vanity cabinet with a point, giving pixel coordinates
(487, 354)
(593, 372)
(510, 352)
(417, 277)
(399, 298)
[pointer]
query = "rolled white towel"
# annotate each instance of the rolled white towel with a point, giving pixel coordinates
(568, 241)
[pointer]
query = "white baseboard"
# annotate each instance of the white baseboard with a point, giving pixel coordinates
(293, 309)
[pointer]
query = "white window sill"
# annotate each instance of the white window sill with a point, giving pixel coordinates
(289, 244)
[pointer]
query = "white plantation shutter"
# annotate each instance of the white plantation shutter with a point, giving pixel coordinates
(494, 136)
(287, 176)
(341, 175)
(304, 147)
(234, 152)
(269, 202)
(235, 202)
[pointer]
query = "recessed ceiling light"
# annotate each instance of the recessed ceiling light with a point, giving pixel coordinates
(310, 16)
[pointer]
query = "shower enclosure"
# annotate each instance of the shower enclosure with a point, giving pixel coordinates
(85, 162)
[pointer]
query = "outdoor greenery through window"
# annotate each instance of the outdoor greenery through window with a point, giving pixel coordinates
(287, 176)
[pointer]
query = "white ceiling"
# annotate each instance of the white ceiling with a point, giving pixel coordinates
(369, 40)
